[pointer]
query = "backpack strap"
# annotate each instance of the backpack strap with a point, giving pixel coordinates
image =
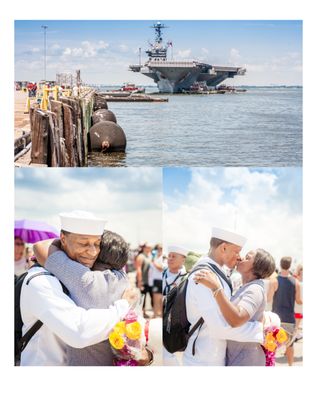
(199, 323)
(38, 273)
(167, 287)
(23, 342)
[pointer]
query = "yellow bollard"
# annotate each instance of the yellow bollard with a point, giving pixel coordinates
(55, 92)
(44, 100)
(28, 105)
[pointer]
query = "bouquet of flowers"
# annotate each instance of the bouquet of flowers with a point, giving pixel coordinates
(275, 337)
(127, 340)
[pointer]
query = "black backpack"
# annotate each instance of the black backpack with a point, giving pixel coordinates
(21, 341)
(176, 327)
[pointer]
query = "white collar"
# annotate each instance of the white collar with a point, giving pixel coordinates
(182, 270)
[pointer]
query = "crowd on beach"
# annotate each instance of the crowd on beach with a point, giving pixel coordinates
(105, 279)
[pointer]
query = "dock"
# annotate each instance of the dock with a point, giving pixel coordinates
(132, 98)
(54, 131)
(56, 136)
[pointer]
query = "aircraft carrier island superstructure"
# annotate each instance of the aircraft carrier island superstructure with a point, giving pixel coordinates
(175, 76)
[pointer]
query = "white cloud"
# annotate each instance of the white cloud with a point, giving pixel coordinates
(124, 48)
(256, 67)
(129, 199)
(55, 50)
(240, 199)
(87, 50)
(184, 53)
(234, 56)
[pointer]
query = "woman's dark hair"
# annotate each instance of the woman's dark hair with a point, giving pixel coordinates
(114, 251)
(263, 264)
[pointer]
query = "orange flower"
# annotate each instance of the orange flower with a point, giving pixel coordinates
(281, 336)
(270, 345)
(116, 340)
(133, 330)
(269, 337)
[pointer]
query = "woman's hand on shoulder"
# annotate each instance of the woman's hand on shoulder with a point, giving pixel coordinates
(207, 278)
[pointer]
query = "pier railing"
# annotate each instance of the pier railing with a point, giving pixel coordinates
(60, 134)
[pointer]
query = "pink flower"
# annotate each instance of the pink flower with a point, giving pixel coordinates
(130, 317)
(270, 357)
(125, 363)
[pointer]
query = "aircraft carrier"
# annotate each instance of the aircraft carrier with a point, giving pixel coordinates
(175, 76)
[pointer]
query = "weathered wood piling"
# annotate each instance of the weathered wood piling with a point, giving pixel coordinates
(60, 134)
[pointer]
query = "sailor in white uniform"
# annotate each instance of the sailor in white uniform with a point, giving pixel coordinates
(209, 342)
(42, 298)
(175, 270)
(171, 277)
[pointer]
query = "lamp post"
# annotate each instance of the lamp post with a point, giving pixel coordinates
(45, 29)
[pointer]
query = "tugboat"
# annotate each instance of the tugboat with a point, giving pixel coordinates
(199, 88)
(229, 89)
(126, 90)
(130, 87)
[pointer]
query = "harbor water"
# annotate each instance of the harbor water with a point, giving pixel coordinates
(260, 127)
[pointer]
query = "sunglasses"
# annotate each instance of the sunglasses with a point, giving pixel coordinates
(18, 244)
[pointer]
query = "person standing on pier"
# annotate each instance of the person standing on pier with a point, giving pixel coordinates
(287, 293)
(142, 265)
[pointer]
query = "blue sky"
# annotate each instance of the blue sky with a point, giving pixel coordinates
(177, 183)
(270, 50)
(264, 204)
(128, 198)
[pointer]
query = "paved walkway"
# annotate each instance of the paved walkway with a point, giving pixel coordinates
(21, 123)
(21, 120)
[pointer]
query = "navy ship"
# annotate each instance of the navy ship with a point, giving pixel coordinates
(176, 76)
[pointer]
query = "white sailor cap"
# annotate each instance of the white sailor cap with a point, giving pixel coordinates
(178, 249)
(82, 222)
(228, 236)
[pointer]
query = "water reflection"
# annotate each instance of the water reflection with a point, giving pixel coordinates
(97, 159)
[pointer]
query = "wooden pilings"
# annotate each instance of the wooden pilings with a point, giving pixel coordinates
(60, 135)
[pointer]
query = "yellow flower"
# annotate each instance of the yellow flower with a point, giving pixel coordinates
(281, 336)
(133, 330)
(270, 345)
(269, 337)
(120, 327)
(116, 340)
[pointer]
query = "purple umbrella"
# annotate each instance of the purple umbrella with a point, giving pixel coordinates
(33, 231)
